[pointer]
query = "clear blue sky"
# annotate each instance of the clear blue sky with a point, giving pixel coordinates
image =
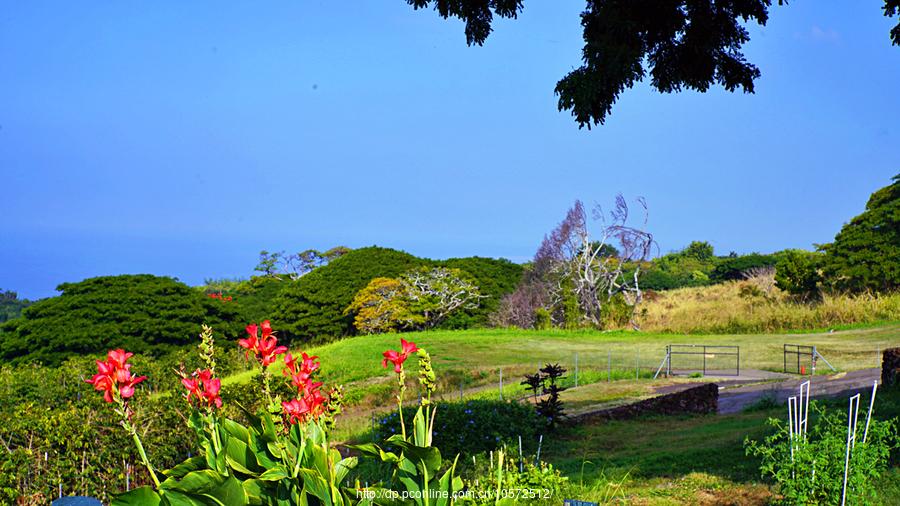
(180, 138)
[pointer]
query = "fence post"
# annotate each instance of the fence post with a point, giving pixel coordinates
(851, 442)
(576, 369)
(501, 383)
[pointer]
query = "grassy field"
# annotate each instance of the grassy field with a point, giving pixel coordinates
(658, 461)
(475, 357)
(471, 360)
(758, 306)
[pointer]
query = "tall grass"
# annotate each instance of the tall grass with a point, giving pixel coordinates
(756, 306)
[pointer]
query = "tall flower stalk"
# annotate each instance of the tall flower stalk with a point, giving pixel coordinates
(266, 350)
(397, 358)
(115, 380)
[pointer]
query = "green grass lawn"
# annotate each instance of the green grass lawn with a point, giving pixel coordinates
(676, 460)
(359, 358)
(472, 360)
(672, 460)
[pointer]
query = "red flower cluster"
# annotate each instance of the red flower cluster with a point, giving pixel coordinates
(114, 375)
(266, 347)
(407, 348)
(220, 297)
(310, 403)
(203, 387)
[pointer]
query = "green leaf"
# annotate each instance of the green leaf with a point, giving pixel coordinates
(194, 463)
(314, 484)
(175, 498)
(240, 457)
(427, 456)
(235, 430)
(196, 482)
(274, 474)
(343, 467)
(257, 490)
(373, 450)
(142, 496)
(230, 493)
(420, 429)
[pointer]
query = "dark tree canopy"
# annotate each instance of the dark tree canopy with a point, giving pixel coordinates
(142, 313)
(692, 44)
(865, 254)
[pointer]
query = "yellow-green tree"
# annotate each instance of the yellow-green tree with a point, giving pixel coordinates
(380, 307)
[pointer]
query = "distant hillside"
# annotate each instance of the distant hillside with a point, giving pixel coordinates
(312, 308)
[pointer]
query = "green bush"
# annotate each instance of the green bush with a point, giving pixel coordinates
(733, 268)
(542, 320)
(253, 298)
(472, 427)
(144, 313)
(504, 478)
(797, 273)
(813, 472)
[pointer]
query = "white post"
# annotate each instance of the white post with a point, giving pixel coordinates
(851, 442)
(792, 408)
(637, 364)
(576, 369)
(871, 406)
(803, 409)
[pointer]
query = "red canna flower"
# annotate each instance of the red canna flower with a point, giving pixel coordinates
(266, 348)
(407, 347)
(114, 376)
(203, 387)
(301, 370)
(398, 357)
(296, 410)
(306, 407)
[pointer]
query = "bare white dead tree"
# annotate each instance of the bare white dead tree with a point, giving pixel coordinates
(596, 268)
(436, 293)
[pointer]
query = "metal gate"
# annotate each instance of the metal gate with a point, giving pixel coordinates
(703, 359)
(799, 359)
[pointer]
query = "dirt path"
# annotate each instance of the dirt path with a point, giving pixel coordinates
(736, 398)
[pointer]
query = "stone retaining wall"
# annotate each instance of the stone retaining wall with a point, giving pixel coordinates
(890, 368)
(703, 399)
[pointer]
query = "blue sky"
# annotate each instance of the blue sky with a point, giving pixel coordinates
(180, 138)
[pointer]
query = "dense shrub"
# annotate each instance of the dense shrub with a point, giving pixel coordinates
(473, 426)
(144, 313)
(810, 470)
(253, 298)
(865, 254)
(797, 273)
(733, 268)
(58, 435)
